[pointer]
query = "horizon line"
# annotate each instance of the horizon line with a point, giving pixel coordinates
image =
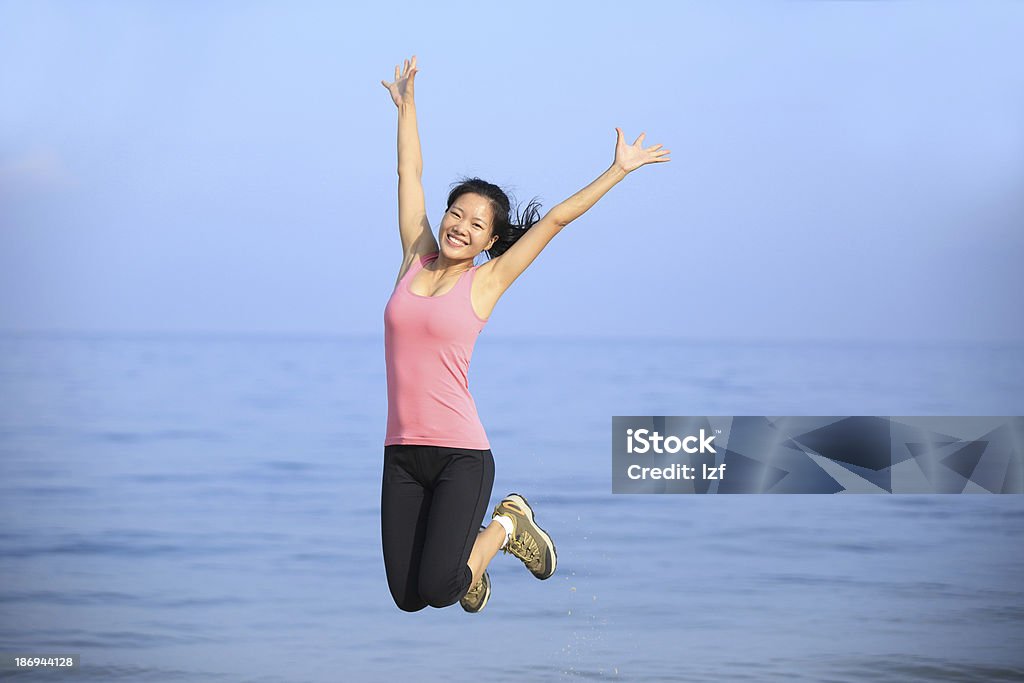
(338, 336)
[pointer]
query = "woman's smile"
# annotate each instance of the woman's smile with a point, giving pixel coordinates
(455, 242)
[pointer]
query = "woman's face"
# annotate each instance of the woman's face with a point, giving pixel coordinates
(467, 227)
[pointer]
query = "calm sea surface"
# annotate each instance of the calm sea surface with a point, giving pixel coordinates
(207, 509)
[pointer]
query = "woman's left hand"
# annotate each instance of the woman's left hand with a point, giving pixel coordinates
(632, 157)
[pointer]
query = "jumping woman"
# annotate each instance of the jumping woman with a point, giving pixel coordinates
(438, 466)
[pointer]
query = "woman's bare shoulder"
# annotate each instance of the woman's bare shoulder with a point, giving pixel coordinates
(485, 271)
(487, 280)
(411, 257)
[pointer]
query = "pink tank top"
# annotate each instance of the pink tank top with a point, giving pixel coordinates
(428, 343)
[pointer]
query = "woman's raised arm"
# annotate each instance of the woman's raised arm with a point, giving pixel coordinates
(517, 257)
(413, 226)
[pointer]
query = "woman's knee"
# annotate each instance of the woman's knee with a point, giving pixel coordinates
(441, 597)
(409, 603)
(442, 590)
(406, 597)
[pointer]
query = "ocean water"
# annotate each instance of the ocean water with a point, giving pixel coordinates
(207, 509)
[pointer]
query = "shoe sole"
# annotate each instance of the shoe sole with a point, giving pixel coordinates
(543, 534)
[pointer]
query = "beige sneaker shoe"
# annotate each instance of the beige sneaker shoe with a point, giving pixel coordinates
(528, 542)
(477, 596)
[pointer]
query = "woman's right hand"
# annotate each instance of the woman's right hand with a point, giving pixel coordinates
(401, 89)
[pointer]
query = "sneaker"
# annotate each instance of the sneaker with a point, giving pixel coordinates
(528, 542)
(476, 597)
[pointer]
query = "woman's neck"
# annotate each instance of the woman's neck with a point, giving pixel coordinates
(448, 266)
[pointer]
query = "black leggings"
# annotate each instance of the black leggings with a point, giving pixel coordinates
(432, 501)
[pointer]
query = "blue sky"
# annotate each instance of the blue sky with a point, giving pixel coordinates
(840, 170)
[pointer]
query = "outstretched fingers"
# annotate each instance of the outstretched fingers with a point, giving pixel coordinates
(635, 155)
(406, 69)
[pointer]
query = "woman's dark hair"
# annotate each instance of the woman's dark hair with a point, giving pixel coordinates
(507, 226)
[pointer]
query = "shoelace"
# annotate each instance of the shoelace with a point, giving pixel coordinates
(518, 546)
